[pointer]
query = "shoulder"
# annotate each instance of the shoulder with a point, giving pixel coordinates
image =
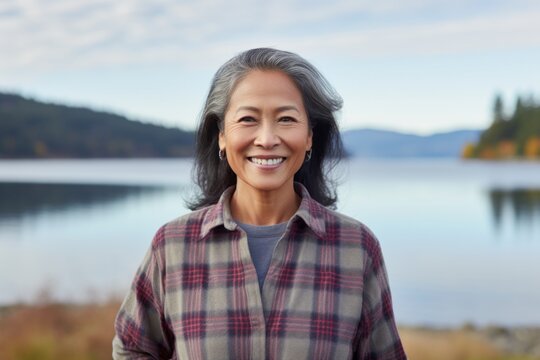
(348, 230)
(184, 228)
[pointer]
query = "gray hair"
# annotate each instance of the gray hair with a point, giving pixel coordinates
(315, 89)
(321, 102)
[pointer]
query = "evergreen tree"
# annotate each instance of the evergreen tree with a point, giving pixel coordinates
(498, 109)
(517, 135)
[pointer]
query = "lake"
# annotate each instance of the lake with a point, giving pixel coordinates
(461, 240)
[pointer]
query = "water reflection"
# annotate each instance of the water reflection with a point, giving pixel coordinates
(523, 203)
(26, 199)
(427, 215)
(77, 239)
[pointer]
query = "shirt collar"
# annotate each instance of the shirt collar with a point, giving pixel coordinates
(310, 211)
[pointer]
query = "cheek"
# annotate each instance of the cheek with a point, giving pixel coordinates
(302, 142)
(236, 143)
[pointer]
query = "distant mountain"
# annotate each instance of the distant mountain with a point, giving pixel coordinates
(34, 129)
(392, 144)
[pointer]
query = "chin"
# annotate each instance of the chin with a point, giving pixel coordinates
(268, 185)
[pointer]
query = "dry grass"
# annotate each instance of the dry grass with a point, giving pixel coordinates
(57, 331)
(462, 344)
(84, 332)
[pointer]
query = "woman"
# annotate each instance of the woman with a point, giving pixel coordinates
(262, 268)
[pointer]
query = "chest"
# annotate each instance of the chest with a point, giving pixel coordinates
(309, 307)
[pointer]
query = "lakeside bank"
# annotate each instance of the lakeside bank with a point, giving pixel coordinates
(53, 330)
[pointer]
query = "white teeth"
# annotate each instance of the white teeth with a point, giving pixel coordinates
(267, 161)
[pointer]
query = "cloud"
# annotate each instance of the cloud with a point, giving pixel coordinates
(497, 32)
(48, 35)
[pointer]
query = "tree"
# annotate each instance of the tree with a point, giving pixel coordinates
(498, 109)
(513, 136)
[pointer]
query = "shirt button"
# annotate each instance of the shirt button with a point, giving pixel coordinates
(255, 322)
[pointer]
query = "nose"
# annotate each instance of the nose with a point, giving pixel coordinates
(267, 136)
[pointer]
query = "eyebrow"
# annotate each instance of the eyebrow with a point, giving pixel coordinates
(278, 110)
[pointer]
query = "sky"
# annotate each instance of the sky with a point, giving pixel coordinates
(418, 66)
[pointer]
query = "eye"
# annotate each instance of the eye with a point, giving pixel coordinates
(287, 119)
(247, 119)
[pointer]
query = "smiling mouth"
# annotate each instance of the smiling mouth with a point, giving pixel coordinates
(273, 161)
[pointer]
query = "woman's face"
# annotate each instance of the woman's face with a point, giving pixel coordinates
(266, 131)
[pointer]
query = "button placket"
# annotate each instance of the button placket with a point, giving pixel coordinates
(254, 300)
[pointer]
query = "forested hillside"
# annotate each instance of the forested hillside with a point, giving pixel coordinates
(510, 136)
(33, 129)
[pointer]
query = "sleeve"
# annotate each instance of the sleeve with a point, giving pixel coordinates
(141, 329)
(377, 335)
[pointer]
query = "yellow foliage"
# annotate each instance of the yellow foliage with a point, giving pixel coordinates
(506, 149)
(488, 153)
(532, 147)
(468, 151)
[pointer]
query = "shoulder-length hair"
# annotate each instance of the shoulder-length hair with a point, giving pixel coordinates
(321, 102)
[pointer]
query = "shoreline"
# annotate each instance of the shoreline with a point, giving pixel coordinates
(85, 331)
(515, 340)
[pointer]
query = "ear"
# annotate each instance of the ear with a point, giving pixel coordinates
(309, 143)
(221, 140)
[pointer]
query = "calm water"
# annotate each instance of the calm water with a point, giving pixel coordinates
(461, 240)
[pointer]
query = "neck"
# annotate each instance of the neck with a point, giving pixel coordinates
(251, 206)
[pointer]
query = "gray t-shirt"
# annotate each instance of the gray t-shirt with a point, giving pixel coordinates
(261, 242)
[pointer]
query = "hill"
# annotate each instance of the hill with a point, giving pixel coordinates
(33, 129)
(392, 144)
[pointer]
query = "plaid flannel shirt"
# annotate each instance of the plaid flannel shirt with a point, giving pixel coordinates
(196, 294)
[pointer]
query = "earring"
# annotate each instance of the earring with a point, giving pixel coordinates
(221, 154)
(308, 154)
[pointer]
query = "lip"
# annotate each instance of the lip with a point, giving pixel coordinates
(266, 157)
